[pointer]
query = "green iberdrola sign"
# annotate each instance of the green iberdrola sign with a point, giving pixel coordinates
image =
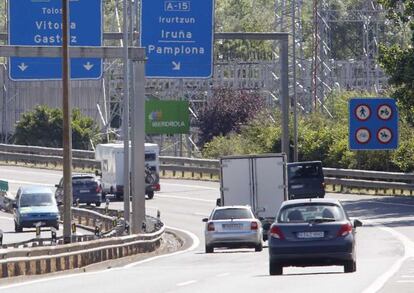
(166, 117)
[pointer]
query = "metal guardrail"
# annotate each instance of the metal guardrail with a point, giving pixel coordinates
(41, 260)
(341, 180)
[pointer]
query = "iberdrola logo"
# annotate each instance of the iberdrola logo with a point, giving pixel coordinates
(155, 116)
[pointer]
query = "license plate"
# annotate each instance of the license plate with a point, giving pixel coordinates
(297, 186)
(307, 235)
(83, 191)
(232, 226)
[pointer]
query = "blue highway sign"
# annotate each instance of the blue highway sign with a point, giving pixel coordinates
(39, 23)
(373, 124)
(178, 36)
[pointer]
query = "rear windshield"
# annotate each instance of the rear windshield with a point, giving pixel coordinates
(232, 214)
(41, 199)
(311, 212)
(305, 171)
(150, 157)
(83, 181)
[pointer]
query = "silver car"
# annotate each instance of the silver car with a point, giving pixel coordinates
(233, 227)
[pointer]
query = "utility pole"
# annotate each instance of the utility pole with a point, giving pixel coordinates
(67, 129)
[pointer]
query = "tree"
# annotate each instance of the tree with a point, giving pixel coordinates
(398, 60)
(44, 127)
(226, 112)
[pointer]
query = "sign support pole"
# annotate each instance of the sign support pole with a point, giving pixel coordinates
(125, 120)
(138, 147)
(67, 130)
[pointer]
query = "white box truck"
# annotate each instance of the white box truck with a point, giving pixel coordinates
(111, 156)
(259, 181)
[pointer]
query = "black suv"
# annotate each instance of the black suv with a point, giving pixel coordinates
(305, 180)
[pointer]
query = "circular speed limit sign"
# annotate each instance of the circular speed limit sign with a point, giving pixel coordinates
(384, 135)
(384, 112)
(362, 112)
(362, 135)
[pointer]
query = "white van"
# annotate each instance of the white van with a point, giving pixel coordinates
(111, 156)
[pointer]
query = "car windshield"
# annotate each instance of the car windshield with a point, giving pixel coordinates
(304, 171)
(315, 212)
(235, 213)
(40, 199)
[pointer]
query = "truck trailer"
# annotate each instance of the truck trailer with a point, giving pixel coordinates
(259, 181)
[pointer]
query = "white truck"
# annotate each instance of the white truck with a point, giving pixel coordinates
(259, 181)
(111, 156)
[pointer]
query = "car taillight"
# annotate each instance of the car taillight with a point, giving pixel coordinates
(210, 226)
(275, 232)
(157, 187)
(344, 230)
(98, 189)
(254, 226)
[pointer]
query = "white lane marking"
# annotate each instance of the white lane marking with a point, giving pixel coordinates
(26, 171)
(389, 203)
(188, 185)
(186, 198)
(27, 182)
(405, 281)
(196, 243)
(223, 275)
(195, 239)
(408, 252)
(186, 283)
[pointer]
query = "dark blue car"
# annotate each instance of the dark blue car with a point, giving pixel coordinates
(312, 232)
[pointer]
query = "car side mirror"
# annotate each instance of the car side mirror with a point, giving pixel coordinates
(57, 185)
(205, 220)
(357, 223)
(261, 218)
(97, 173)
(218, 202)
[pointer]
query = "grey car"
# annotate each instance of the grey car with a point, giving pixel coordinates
(312, 232)
(233, 227)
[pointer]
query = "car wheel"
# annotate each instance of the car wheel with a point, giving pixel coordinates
(17, 228)
(275, 268)
(350, 266)
(209, 249)
(151, 194)
(98, 204)
(258, 247)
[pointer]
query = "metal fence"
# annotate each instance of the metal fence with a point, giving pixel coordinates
(338, 180)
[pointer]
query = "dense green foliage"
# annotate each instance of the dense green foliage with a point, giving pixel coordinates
(43, 127)
(320, 138)
(398, 59)
(226, 112)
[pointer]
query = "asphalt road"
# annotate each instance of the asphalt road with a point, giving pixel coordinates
(385, 250)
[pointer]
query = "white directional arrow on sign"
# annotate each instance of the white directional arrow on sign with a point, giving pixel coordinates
(176, 65)
(88, 66)
(23, 66)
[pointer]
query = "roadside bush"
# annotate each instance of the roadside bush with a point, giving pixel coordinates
(226, 112)
(44, 127)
